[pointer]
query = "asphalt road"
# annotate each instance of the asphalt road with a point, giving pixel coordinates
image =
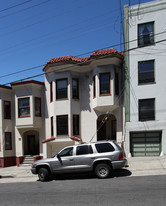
(84, 191)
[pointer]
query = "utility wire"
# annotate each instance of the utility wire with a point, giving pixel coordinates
(83, 54)
(14, 6)
(22, 10)
(72, 66)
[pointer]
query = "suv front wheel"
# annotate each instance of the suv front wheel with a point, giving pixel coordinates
(102, 170)
(43, 174)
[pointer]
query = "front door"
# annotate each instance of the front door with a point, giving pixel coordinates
(31, 144)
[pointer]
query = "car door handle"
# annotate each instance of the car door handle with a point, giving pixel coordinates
(71, 159)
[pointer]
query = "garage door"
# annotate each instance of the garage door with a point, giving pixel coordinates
(145, 144)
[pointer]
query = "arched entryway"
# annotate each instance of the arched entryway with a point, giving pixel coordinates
(31, 143)
(106, 127)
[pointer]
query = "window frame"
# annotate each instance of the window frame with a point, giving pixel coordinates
(40, 114)
(78, 116)
(78, 93)
(57, 126)
(146, 82)
(57, 80)
(109, 93)
(150, 43)
(141, 113)
(117, 83)
(51, 91)
(22, 116)
(5, 110)
(52, 126)
(10, 141)
(94, 86)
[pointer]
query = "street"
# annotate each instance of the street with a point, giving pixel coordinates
(128, 190)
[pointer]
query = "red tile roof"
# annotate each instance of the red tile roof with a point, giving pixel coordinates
(73, 59)
(27, 82)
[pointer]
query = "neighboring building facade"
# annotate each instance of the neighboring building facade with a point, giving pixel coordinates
(145, 96)
(83, 96)
(22, 122)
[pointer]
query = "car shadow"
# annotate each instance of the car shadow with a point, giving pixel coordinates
(81, 176)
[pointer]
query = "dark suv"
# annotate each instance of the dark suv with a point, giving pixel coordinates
(100, 157)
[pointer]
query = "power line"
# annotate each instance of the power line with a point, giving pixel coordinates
(64, 68)
(16, 12)
(83, 54)
(16, 5)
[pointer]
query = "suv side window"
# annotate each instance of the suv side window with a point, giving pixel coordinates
(84, 149)
(104, 147)
(66, 152)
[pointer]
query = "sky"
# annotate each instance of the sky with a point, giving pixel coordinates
(34, 31)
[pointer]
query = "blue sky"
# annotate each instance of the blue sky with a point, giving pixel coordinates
(34, 31)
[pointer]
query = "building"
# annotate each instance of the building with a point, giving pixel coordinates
(145, 97)
(80, 101)
(84, 99)
(22, 122)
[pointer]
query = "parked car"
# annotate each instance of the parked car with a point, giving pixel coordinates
(100, 157)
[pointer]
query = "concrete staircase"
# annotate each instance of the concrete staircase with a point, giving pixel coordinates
(28, 160)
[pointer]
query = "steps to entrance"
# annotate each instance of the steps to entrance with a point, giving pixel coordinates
(28, 160)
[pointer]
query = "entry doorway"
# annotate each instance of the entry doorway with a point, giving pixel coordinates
(31, 143)
(106, 129)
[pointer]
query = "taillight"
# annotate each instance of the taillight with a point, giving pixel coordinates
(120, 156)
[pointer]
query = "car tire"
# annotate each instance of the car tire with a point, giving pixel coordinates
(43, 174)
(102, 170)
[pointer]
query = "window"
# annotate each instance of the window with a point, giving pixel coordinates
(7, 110)
(85, 149)
(146, 72)
(94, 86)
(146, 109)
(37, 107)
(62, 125)
(52, 127)
(61, 89)
(75, 88)
(51, 92)
(24, 107)
(8, 141)
(76, 125)
(105, 84)
(66, 152)
(104, 147)
(146, 34)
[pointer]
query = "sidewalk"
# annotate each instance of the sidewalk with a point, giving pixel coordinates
(138, 166)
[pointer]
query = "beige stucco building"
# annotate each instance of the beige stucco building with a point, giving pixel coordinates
(81, 99)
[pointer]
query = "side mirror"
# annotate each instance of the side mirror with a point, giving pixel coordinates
(58, 156)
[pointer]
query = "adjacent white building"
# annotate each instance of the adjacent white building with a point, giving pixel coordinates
(145, 96)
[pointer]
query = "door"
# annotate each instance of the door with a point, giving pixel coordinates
(101, 133)
(31, 144)
(64, 161)
(145, 144)
(84, 158)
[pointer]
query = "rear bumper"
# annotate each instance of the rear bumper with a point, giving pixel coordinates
(119, 164)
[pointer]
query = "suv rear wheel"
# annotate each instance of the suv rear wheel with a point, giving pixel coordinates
(102, 170)
(43, 174)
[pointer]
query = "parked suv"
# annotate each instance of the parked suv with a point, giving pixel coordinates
(100, 157)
